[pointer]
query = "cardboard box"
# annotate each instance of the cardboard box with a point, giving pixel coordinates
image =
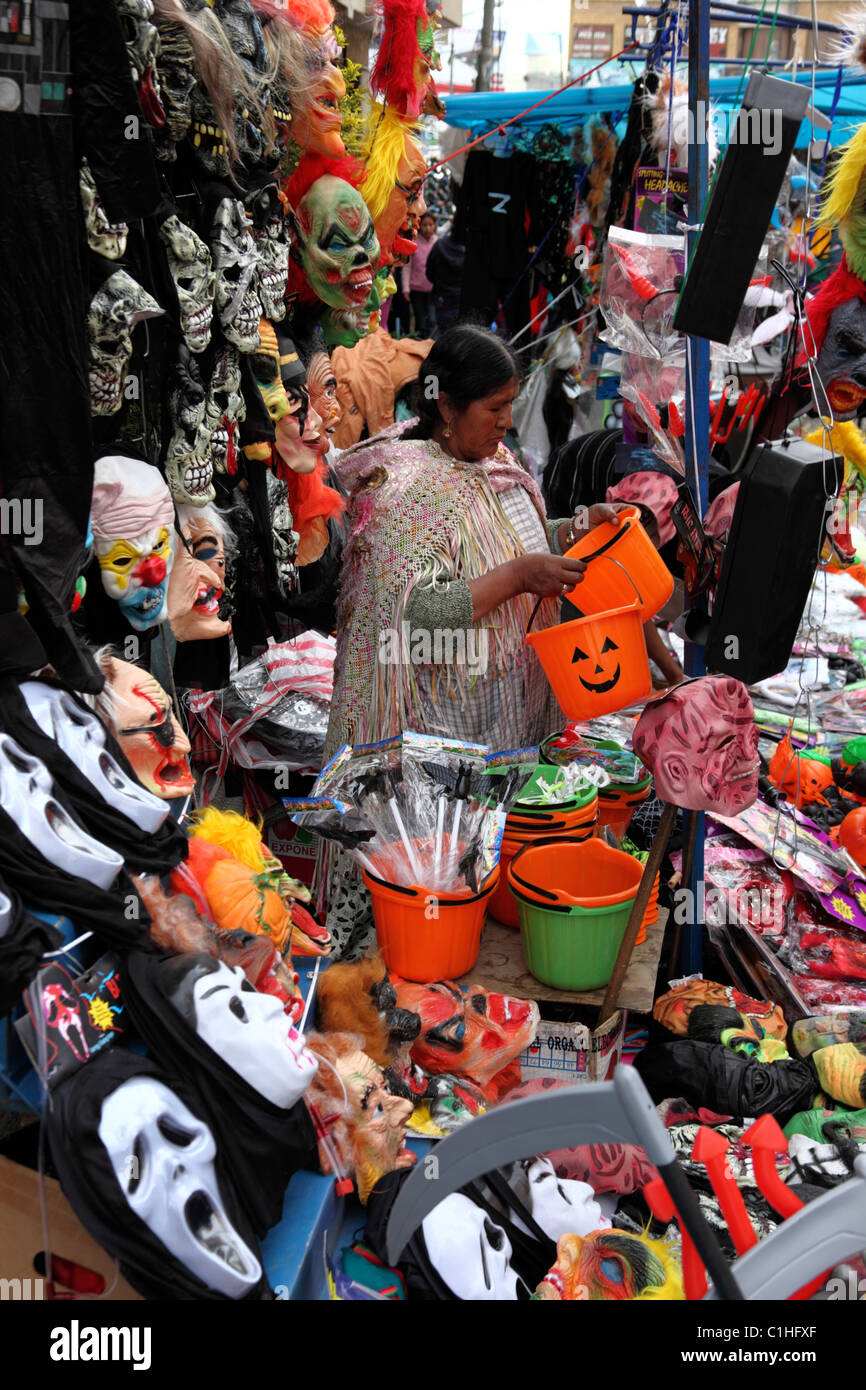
(572, 1052)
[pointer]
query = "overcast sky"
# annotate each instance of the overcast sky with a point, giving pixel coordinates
(543, 19)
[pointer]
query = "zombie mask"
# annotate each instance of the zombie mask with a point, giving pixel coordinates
(234, 256)
(466, 1029)
(285, 539)
(62, 1011)
(842, 360)
(209, 139)
(118, 305)
(197, 583)
(243, 31)
(106, 238)
(271, 235)
(132, 518)
(322, 386)
(611, 1265)
(248, 1030)
(224, 409)
(377, 1121)
(470, 1252)
(176, 68)
(188, 463)
(142, 46)
(700, 743)
(172, 1186)
(337, 245)
(192, 271)
(318, 121)
(397, 225)
(148, 731)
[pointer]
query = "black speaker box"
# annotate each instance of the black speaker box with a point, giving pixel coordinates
(753, 167)
(776, 536)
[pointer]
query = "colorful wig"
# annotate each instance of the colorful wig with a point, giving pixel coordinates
(382, 152)
(836, 290)
(313, 167)
(393, 73)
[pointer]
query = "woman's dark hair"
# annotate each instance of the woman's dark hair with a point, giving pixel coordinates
(466, 363)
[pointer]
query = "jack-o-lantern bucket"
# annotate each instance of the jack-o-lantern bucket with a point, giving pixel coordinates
(620, 560)
(595, 665)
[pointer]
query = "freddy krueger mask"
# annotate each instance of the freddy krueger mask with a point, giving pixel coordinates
(467, 1031)
(700, 743)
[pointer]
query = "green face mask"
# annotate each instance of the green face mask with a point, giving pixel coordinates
(337, 243)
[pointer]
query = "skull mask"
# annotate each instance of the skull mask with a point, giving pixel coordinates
(190, 266)
(842, 360)
(106, 238)
(115, 309)
(271, 234)
(188, 464)
(470, 1252)
(285, 539)
(172, 1186)
(700, 743)
(224, 409)
(62, 1011)
(467, 1030)
(176, 66)
(234, 254)
(142, 46)
(337, 246)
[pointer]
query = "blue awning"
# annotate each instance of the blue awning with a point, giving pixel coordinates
(481, 111)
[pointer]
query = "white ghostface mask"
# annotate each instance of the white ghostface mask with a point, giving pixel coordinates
(253, 1035)
(562, 1206)
(106, 238)
(27, 796)
(163, 1159)
(192, 271)
(470, 1252)
(82, 738)
(234, 256)
(115, 309)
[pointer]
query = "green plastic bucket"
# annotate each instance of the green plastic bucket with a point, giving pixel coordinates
(571, 947)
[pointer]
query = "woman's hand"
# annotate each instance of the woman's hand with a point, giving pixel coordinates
(547, 575)
(587, 518)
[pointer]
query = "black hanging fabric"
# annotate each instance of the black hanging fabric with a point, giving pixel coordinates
(261, 1144)
(89, 1182)
(497, 220)
(22, 946)
(156, 851)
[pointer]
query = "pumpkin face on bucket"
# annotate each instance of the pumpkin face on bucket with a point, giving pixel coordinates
(601, 661)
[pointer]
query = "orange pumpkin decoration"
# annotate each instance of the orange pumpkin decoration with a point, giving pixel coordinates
(852, 835)
(236, 896)
(801, 780)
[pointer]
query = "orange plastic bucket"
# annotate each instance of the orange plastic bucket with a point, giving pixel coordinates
(503, 905)
(595, 665)
(636, 564)
(426, 935)
(586, 874)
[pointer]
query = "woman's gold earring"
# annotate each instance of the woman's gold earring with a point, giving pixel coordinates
(447, 431)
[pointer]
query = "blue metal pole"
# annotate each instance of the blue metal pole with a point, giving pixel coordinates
(697, 386)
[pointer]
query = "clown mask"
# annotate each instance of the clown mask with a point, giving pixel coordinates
(148, 732)
(611, 1265)
(133, 532)
(322, 386)
(337, 246)
(318, 120)
(842, 360)
(700, 743)
(197, 584)
(465, 1029)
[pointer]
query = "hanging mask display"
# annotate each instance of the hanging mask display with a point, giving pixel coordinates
(142, 46)
(271, 236)
(224, 409)
(285, 538)
(466, 1029)
(150, 736)
(337, 247)
(188, 463)
(322, 386)
(394, 184)
(318, 123)
(190, 267)
(234, 257)
(118, 305)
(841, 361)
(107, 239)
(300, 441)
(176, 70)
(198, 1014)
(407, 59)
(133, 532)
(194, 593)
(700, 742)
(470, 1252)
(139, 1163)
(244, 35)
